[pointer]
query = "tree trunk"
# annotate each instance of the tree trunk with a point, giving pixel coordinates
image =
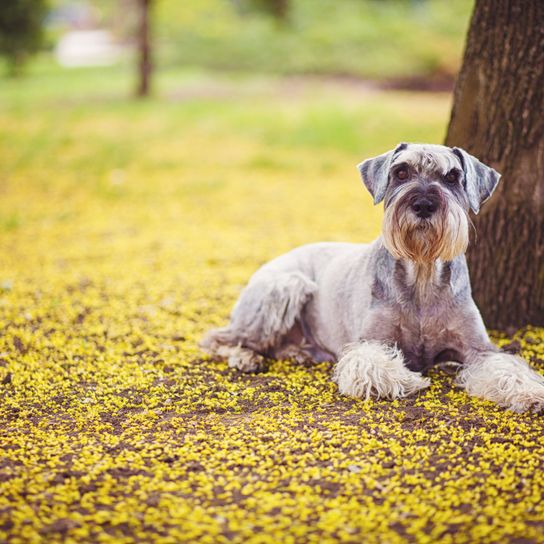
(280, 9)
(498, 116)
(144, 48)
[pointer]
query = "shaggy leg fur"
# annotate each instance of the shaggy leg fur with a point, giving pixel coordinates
(374, 369)
(505, 379)
(266, 310)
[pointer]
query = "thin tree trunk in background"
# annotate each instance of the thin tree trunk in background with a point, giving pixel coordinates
(144, 48)
(280, 9)
(498, 116)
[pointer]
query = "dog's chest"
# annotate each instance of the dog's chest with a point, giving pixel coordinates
(426, 314)
(426, 338)
(423, 320)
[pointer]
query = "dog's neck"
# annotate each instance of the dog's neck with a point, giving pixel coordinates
(415, 282)
(425, 278)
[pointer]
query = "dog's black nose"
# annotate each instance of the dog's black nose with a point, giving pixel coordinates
(424, 207)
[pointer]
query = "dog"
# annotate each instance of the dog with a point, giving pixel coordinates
(386, 311)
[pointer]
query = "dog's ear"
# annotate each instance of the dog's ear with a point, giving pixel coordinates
(480, 179)
(375, 172)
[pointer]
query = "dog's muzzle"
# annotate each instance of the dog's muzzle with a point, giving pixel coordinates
(424, 223)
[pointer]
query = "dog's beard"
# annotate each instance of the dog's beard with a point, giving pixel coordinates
(444, 235)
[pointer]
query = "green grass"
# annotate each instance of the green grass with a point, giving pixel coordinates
(308, 113)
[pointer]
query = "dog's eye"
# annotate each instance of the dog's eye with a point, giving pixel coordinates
(402, 174)
(451, 176)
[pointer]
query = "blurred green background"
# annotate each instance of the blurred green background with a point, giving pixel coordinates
(365, 38)
(371, 39)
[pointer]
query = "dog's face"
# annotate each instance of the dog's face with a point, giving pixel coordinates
(427, 191)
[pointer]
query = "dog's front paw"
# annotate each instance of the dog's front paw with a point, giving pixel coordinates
(505, 379)
(372, 369)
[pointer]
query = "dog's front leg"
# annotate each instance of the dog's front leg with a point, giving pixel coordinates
(375, 369)
(502, 378)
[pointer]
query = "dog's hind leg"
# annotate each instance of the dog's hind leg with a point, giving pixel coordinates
(265, 312)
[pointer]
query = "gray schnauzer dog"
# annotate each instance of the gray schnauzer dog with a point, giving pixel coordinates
(389, 310)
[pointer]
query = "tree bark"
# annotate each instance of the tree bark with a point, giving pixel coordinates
(498, 116)
(144, 49)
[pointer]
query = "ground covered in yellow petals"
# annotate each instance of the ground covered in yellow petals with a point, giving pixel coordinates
(126, 231)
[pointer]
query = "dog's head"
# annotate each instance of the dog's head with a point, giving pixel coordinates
(427, 192)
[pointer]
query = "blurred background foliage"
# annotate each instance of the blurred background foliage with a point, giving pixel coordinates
(366, 38)
(21, 31)
(371, 39)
